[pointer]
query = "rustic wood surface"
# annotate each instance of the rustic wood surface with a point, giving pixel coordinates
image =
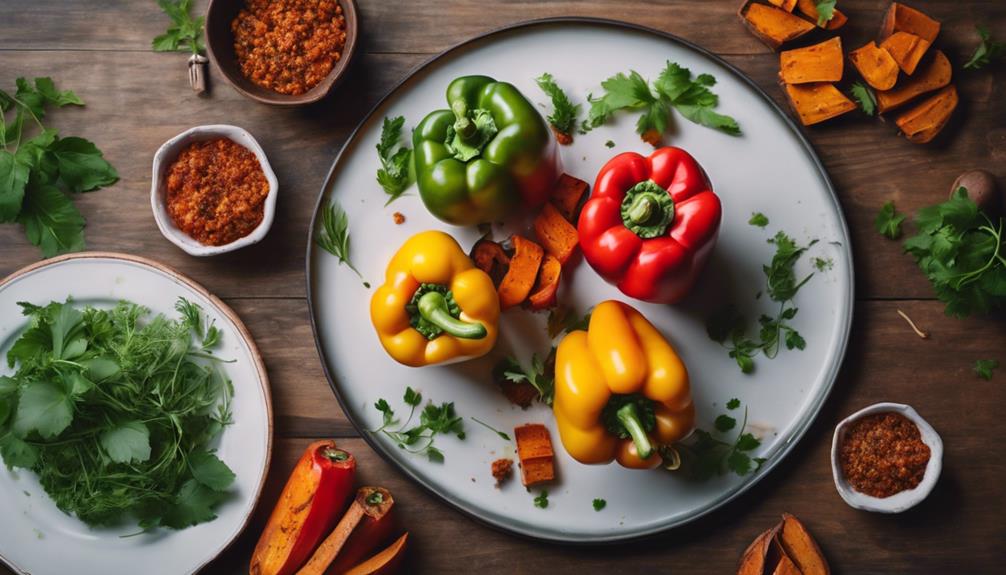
(136, 99)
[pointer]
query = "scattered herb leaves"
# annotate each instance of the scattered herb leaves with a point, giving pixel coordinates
(599, 504)
(986, 51)
(564, 111)
(758, 219)
(825, 11)
(185, 33)
(541, 378)
(865, 97)
(419, 439)
(822, 264)
(985, 367)
(733, 404)
(394, 173)
(541, 500)
(491, 428)
(609, 144)
(888, 222)
(334, 236)
(708, 454)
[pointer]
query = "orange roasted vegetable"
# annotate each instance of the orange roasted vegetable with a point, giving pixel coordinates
(491, 258)
(773, 26)
(809, 9)
(815, 103)
(543, 296)
(534, 449)
(876, 66)
(902, 18)
(798, 545)
(308, 507)
(373, 532)
(385, 562)
(934, 75)
(921, 123)
(556, 234)
(786, 5)
(822, 62)
(370, 503)
(567, 196)
(906, 49)
(523, 271)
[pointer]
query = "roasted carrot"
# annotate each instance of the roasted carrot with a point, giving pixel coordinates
(385, 562)
(809, 9)
(771, 25)
(924, 121)
(567, 196)
(374, 502)
(534, 449)
(815, 103)
(556, 234)
(906, 49)
(543, 296)
(934, 75)
(818, 63)
(523, 271)
(875, 65)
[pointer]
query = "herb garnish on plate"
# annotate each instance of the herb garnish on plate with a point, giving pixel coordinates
(708, 454)
(987, 50)
(865, 98)
(394, 173)
(334, 235)
(888, 222)
(419, 439)
(564, 112)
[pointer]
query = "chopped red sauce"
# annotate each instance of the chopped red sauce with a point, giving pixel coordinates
(883, 454)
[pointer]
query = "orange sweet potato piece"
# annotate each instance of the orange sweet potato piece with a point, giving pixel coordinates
(523, 271)
(809, 9)
(490, 257)
(385, 562)
(567, 195)
(921, 123)
(815, 103)
(818, 63)
(902, 18)
(876, 66)
(757, 557)
(362, 507)
(786, 567)
(556, 234)
(543, 295)
(786, 5)
(801, 548)
(906, 49)
(771, 25)
(934, 75)
(534, 449)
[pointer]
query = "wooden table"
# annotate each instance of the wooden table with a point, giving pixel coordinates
(137, 99)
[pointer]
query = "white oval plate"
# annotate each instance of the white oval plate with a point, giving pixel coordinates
(39, 538)
(771, 169)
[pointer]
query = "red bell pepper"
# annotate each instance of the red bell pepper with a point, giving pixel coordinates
(311, 503)
(650, 224)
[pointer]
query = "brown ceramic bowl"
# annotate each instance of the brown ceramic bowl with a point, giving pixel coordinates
(220, 41)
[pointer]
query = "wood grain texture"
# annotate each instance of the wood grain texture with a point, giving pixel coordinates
(138, 99)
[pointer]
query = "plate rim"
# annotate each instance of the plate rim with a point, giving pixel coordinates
(243, 333)
(530, 533)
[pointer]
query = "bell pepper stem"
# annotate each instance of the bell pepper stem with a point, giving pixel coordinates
(332, 454)
(642, 208)
(647, 210)
(629, 417)
(433, 307)
(463, 125)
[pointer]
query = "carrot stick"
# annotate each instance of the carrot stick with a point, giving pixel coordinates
(372, 502)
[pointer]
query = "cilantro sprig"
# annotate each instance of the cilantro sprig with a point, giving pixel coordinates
(825, 11)
(987, 50)
(865, 98)
(37, 173)
(984, 368)
(537, 375)
(564, 111)
(758, 219)
(673, 88)
(599, 504)
(185, 33)
(713, 453)
(433, 420)
(541, 500)
(394, 175)
(888, 222)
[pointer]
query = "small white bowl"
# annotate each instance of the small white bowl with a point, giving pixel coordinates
(167, 154)
(899, 501)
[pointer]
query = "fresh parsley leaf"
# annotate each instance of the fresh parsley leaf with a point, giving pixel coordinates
(747, 442)
(825, 11)
(44, 408)
(394, 175)
(412, 397)
(127, 442)
(706, 455)
(419, 439)
(599, 504)
(693, 99)
(502, 435)
(888, 222)
(724, 423)
(185, 33)
(434, 455)
(541, 500)
(539, 375)
(81, 165)
(609, 144)
(733, 404)
(208, 470)
(758, 219)
(17, 453)
(985, 367)
(865, 98)
(193, 505)
(334, 236)
(986, 51)
(564, 112)
(822, 264)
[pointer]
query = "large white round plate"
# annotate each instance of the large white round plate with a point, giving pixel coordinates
(37, 537)
(770, 169)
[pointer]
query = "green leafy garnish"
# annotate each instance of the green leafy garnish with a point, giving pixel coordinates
(599, 504)
(541, 500)
(825, 11)
(822, 264)
(542, 379)
(733, 404)
(334, 236)
(960, 249)
(563, 319)
(987, 50)
(729, 327)
(375, 498)
(888, 222)
(419, 439)
(115, 413)
(185, 33)
(673, 88)
(609, 144)
(491, 428)
(708, 455)
(758, 219)
(394, 173)
(985, 367)
(564, 111)
(37, 173)
(865, 97)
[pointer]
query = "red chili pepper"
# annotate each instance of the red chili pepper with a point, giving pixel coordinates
(312, 501)
(650, 224)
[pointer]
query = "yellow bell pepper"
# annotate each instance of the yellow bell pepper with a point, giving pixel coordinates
(621, 391)
(435, 306)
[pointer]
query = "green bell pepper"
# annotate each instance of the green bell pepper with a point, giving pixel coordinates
(488, 154)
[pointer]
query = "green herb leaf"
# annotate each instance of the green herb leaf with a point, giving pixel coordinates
(193, 505)
(541, 500)
(888, 222)
(394, 175)
(185, 34)
(733, 403)
(985, 367)
(539, 375)
(724, 423)
(825, 11)
(13, 178)
(987, 50)
(865, 98)
(822, 264)
(706, 455)
(693, 99)
(81, 165)
(51, 221)
(563, 319)
(412, 397)
(564, 112)
(47, 89)
(334, 236)
(17, 453)
(127, 442)
(44, 408)
(609, 144)
(758, 219)
(209, 470)
(502, 435)
(599, 504)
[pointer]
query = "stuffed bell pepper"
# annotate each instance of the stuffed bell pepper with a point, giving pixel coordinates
(621, 391)
(435, 306)
(650, 224)
(488, 153)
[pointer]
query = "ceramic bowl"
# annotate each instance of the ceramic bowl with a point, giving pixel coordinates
(899, 501)
(220, 44)
(167, 154)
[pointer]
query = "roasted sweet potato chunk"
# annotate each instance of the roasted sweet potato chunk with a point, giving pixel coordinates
(815, 103)
(818, 63)
(490, 257)
(534, 449)
(521, 275)
(556, 234)
(906, 49)
(801, 548)
(876, 66)
(543, 296)
(934, 74)
(809, 9)
(902, 18)
(924, 121)
(786, 5)
(567, 196)
(773, 26)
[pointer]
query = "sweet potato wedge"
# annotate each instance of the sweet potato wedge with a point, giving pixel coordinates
(786, 5)
(924, 121)
(364, 505)
(556, 234)
(543, 296)
(906, 49)
(801, 548)
(567, 195)
(756, 559)
(385, 562)
(786, 567)
(809, 9)
(771, 25)
(534, 449)
(902, 18)
(490, 257)
(875, 65)
(521, 275)
(822, 62)
(934, 74)
(815, 103)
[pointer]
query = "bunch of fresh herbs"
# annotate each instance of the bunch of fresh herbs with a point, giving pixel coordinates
(38, 173)
(185, 33)
(419, 439)
(117, 415)
(394, 174)
(708, 454)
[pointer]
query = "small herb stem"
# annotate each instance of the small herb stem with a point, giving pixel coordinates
(915, 328)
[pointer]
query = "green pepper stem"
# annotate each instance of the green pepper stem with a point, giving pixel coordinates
(333, 454)
(647, 209)
(463, 125)
(642, 208)
(629, 417)
(433, 308)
